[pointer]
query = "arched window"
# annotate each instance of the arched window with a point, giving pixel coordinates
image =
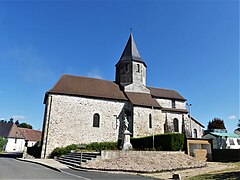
(195, 133)
(175, 125)
(96, 120)
(150, 120)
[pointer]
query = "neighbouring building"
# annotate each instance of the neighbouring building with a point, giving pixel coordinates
(17, 137)
(221, 139)
(84, 110)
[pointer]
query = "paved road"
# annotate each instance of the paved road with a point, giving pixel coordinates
(14, 169)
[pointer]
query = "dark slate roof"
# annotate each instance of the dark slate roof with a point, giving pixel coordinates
(130, 52)
(166, 94)
(142, 99)
(85, 86)
(31, 134)
(10, 130)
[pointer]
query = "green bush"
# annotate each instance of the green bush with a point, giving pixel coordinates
(164, 142)
(59, 151)
(3, 142)
(102, 146)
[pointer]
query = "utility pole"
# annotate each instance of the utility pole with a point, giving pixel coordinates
(189, 108)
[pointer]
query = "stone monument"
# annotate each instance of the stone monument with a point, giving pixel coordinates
(126, 144)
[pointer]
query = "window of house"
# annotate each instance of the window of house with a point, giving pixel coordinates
(238, 141)
(138, 68)
(173, 104)
(96, 120)
(150, 120)
(175, 125)
(195, 133)
(231, 142)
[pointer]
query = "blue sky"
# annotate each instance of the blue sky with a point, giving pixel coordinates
(189, 46)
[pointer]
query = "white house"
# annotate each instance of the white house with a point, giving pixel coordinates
(222, 139)
(17, 137)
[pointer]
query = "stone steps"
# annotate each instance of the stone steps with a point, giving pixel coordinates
(73, 159)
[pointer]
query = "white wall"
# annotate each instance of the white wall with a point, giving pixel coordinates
(15, 145)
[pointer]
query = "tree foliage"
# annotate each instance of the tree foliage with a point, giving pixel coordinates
(3, 142)
(25, 125)
(216, 123)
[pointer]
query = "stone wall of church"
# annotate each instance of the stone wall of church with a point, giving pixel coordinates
(141, 121)
(195, 128)
(167, 103)
(71, 121)
(169, 120)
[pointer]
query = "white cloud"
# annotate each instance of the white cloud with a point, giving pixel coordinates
(94, 73)
(19, 117)
(232, 117)
(2, 118)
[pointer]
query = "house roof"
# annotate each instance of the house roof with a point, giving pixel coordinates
(85, 86)
(10, 130)
(231, 135)
(130, 52)
(165, 94)
(142, 99)
(31, 135)
(175, 110)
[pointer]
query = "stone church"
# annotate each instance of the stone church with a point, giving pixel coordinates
(84, 110)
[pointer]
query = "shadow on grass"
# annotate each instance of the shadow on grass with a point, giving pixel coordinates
(226, 175)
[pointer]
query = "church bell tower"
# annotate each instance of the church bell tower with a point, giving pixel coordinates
(131, 69)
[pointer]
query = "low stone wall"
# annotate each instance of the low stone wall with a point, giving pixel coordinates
(108, 154)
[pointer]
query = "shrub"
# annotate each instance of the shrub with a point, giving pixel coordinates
(35, 150)
(165, 142)
(3, 142)
(102, 146)
(59, 151)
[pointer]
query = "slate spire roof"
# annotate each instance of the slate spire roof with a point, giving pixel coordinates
(130, 52)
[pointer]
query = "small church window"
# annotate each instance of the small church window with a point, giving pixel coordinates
(138, 68)
(150, 120)
(175, 125)
(96, 120)
(173, 104)
(195, 133)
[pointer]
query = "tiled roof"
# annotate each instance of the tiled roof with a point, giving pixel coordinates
(84, 86)
(10, 130)
(98, 88)
(165, 94)
(30, 134)
(142, 99)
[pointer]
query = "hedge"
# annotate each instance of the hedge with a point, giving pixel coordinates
(95, 146)
(164, 142)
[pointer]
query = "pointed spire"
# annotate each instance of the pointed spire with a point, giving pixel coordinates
(131, 52)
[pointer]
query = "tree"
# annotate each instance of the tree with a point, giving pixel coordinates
(17, 122)
(3, 142)
(10, 120)
(216, 123)
(238, 125)
(25, 125)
